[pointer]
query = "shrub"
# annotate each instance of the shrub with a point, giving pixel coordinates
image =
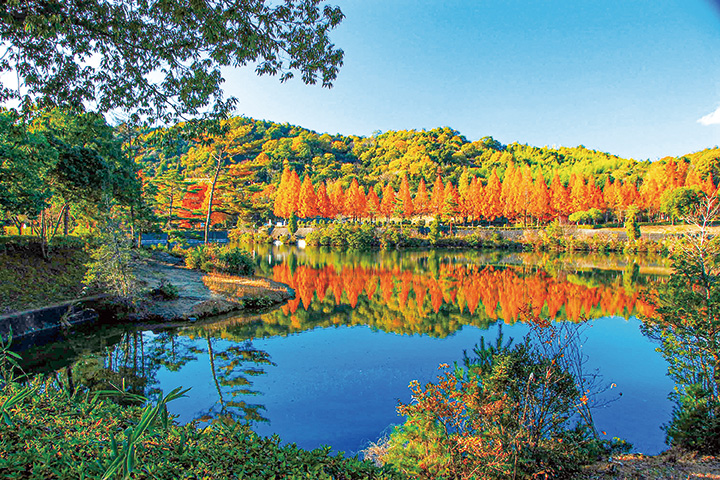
(632, 228)
(506, 413)
(234, 260)
(226, 259)
(293, 224)
(434, 234)
(363, 237)
(165, 291)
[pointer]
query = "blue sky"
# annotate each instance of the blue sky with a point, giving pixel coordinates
(628, 77)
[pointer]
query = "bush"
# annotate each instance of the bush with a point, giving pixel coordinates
(434, 234)
(165, 291)
(293, 224)
(506, 413)
(632, 228)
(226, 259)
(236, 261)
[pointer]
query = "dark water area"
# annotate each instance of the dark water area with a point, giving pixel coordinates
(329, 367)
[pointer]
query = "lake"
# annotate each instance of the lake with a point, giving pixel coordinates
(329, 367)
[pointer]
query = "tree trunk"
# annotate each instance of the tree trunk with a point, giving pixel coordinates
(132, 224)
(168, 224)
(212, 194)
(43, 235)
(61, 217)
(66, 219)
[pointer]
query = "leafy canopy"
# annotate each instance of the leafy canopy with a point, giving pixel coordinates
(159, 59)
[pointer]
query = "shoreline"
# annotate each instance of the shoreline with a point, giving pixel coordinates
(202, 295)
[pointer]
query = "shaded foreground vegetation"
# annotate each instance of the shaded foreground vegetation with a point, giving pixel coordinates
(50, 429)
(53, 428)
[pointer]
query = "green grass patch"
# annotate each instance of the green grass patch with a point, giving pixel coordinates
(27, 280)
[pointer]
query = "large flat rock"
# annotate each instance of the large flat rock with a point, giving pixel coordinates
(202, 294)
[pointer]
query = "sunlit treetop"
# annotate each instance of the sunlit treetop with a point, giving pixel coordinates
(158, 60)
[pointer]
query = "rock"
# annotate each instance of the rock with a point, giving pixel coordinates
(203, 295)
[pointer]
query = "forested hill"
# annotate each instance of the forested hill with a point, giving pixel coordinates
(383, 156)
(259, 151)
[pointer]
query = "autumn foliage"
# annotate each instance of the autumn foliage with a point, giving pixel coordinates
(511, 411)
(485, 293)
(423, 174)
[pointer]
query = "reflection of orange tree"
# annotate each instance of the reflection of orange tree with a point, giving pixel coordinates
(485, 292)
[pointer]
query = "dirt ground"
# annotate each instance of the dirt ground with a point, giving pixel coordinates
(666, 466)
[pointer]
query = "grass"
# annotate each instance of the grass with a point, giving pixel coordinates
(29, 281)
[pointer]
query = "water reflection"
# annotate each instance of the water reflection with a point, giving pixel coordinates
(431, 294)
(230, 362)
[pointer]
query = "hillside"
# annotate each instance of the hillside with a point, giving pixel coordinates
(180, 169)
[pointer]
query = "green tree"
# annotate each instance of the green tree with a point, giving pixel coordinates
(631, 226)
(434, 233)
(292, 223)
(687, 325)
(25, 158)
(90, 165)
(160, 59)
(679, 202)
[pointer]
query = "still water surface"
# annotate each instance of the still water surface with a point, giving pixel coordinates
(329, 367)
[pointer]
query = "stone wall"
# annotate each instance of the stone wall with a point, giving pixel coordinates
(50, 320)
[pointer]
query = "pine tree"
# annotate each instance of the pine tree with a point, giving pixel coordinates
(629, 196)
(493, 193)
(292, 196)
(578, 194)
(475, 199)
(451, 204)
(337, 197)
(559, 198)
(610, 196)
(325, 207)
(464, 193)
(524, 193)
(540, 207)
(280, 207)
(355, 201)
(509, 192)
(438, 196)
(422, 200)
(372, 204)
